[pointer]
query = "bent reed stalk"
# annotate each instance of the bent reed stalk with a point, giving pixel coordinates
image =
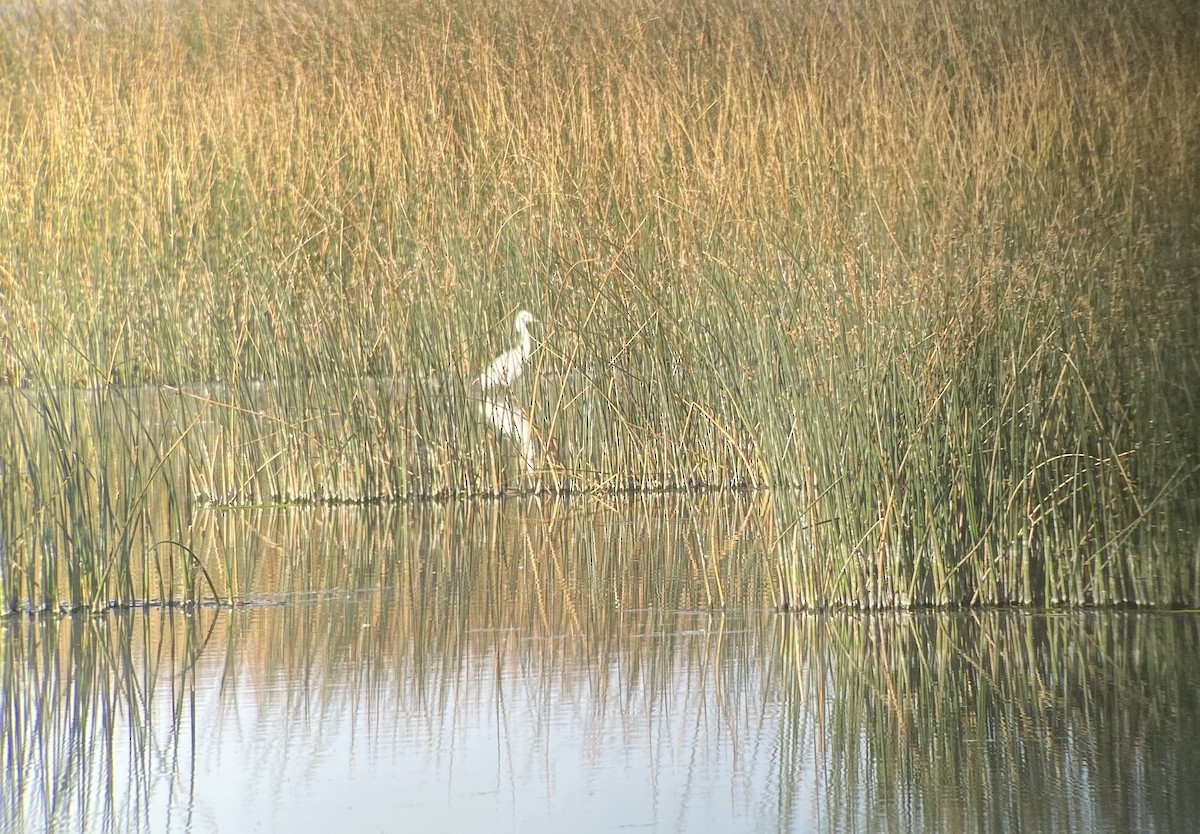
(930, 273)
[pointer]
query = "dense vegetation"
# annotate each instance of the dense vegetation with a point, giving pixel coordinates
(929, 272)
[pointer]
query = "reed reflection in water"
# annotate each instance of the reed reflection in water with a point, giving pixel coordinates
(327, 715)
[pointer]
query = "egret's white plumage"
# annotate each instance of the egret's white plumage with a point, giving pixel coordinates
(505, 416)
(507, 367)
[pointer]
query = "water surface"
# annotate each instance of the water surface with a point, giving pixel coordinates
(586, 667)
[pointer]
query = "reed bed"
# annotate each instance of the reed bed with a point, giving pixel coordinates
(930, 270)
(91, 516)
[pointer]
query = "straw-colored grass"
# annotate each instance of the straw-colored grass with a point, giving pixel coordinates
(934, 269)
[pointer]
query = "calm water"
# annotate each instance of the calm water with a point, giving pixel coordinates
(581, 667)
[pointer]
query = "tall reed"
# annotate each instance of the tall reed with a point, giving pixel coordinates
(91, 515)
(936, 269)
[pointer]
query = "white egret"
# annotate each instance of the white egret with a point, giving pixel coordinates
(508, 418)
(507, 367)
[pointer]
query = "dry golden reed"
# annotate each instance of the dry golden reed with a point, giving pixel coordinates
(931, 270)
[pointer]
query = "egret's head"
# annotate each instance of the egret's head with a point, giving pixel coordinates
(523, 320)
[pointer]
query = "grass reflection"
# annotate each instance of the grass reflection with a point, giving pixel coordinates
(558, 561)
(99, 720)
(576, 669)
(1000, 721)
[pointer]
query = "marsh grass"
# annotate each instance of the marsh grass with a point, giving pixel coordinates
(932, 270)
(90, 506)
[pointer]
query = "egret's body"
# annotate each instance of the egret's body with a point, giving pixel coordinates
(506, 417)
(507, 367)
